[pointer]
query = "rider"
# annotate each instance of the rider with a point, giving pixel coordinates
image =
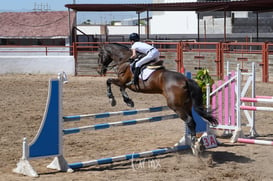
(151, 53)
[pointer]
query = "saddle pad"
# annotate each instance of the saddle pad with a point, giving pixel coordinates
(145, 74)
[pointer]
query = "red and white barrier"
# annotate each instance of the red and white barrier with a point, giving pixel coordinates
(253, 108)
(257, 99)
(254, 141)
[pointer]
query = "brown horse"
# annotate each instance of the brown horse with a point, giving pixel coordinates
(181, 93)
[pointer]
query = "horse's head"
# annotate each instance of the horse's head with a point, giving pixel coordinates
(112, 52)
(103, 61)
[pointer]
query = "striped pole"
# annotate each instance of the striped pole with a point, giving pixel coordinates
(253, 108)
(249, 99)
(126, 157)
(110, 114)
(265, 97)
(119, 123)
(253, 141)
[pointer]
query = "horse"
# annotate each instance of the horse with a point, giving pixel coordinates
(181, 93)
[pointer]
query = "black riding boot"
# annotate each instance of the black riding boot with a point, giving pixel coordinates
(136, 73)
(134, 80)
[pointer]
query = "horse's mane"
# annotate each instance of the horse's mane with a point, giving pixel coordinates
(121, 45)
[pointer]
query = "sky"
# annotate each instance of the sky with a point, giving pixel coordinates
(59, 5)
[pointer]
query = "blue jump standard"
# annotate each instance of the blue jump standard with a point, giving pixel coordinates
(48, 141)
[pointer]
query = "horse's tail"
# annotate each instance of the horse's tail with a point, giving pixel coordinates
(197, 101)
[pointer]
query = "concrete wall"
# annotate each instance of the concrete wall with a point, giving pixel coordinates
(111, 30)
(37, 64)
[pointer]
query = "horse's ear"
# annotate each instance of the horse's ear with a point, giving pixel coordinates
(101, 47)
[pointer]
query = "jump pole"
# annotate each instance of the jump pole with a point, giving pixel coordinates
(249, 99)
(101, 161)
(117, 113)
(255, 141)
(119, 123)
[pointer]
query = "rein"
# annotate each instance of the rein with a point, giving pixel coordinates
(119, 63)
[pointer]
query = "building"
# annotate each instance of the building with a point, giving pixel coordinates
(36, 42)
(203, 20)
(212, 25)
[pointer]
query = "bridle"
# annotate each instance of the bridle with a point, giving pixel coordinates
(104, 62)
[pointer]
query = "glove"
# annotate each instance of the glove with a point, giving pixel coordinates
(131, 60)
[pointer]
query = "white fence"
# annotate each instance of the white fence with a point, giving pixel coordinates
(35, 51)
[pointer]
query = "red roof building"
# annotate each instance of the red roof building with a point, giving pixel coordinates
(36, 28)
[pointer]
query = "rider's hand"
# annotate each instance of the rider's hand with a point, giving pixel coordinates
(131, 59)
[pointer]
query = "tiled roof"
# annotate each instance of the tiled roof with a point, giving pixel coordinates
(35, 24)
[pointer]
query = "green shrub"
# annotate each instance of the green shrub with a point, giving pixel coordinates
(203, 78)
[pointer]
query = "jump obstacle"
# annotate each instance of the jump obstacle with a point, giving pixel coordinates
(228, 98)
(49, 140)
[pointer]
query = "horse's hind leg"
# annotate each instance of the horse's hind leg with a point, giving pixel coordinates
(126, 98)
(192, 127)
(196, 146)
(110, 93)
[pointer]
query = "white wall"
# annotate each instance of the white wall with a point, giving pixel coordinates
(112, 30)
(240, 14)
(174, 22)
(117, 30)
(212, 25)
(37, 64)
(34, 51)
(89, 30)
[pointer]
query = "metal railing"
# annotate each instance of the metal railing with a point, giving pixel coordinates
(177, 55)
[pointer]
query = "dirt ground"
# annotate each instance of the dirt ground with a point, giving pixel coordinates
(22, 103)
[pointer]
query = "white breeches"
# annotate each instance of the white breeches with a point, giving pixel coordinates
(153, 54)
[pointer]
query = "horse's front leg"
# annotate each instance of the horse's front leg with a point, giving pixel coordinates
(124, 94)
(110, 93)
(126, 98)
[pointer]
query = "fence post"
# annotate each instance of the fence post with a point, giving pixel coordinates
(75, 54)
(265, 62)
(220, 60)
(180, 64)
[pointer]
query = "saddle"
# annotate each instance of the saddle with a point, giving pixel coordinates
(155, 65)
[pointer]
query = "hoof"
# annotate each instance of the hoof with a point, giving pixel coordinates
(197, 148)
(113, 102)
(130, 103)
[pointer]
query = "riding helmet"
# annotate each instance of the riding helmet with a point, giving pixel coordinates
(134, 37)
